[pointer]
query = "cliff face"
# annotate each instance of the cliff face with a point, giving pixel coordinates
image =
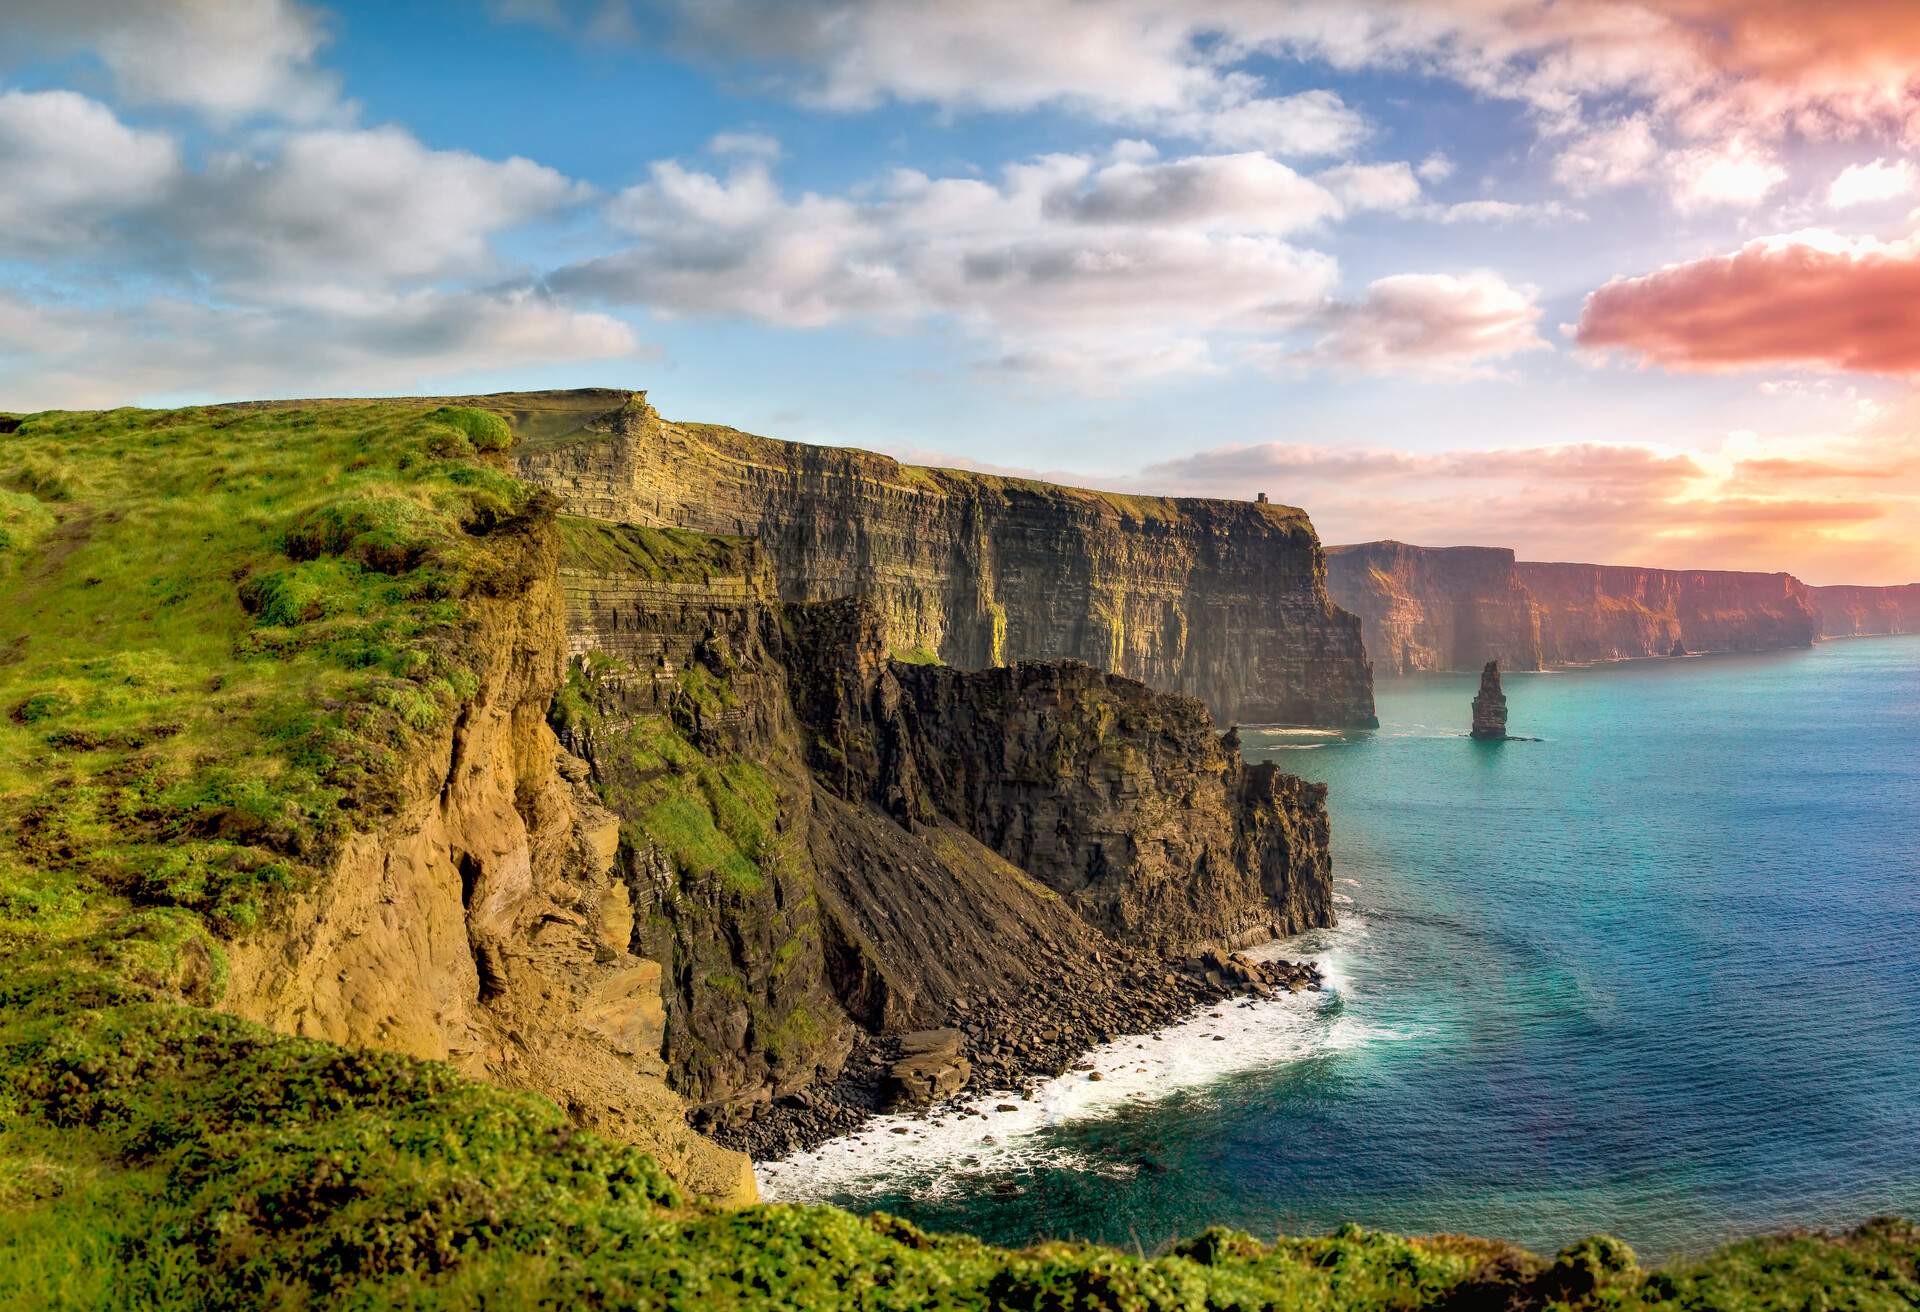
(1453, 608)
(1436, 608)
(1610, 612)
(1851, 612)
(1124, 801)
(1225, 601)
(486, 924)
(819, 839)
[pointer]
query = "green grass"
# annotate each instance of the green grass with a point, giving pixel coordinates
(666, 554)
(714, 817)
(226, 630)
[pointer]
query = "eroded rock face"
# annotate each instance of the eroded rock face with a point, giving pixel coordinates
(1450, 608)
(933, 835)
(1613, 612)
(487, 924)
(1225, 601)
(1490, 706)
(1124, 801)
(1436, 608)
(1853, 612)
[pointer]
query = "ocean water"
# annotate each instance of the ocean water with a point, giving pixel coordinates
(1657, 974)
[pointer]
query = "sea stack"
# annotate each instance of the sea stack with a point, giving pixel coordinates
(1490, 706)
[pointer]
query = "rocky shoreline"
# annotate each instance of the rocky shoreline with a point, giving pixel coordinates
(1003, 1044)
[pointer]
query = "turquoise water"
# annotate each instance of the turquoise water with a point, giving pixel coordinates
(1657, 974)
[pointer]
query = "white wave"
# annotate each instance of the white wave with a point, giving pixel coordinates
(958, 1144)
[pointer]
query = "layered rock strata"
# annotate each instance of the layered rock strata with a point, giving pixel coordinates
(1453, 608)
(1853, 612)
(1436, 608)
(1225, 601)
(824, 845)
(1618, 612)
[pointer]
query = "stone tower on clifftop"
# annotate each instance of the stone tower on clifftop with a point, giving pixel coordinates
(1490, 706)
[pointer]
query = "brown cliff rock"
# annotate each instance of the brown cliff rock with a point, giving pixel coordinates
(486, 925)
(1446, 608)
(1434, 608)
(1223, 600)
(1847, 611)
(1124, 801)
(1615, 612)
(823, 843)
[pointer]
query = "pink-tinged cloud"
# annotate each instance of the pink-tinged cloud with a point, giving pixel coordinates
(1619, 503)
(1432, 324)
(1789, 470)
(1809, 299)
(1229, 470)
(1856, 45)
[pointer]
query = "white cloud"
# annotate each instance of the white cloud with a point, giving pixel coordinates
(1244, 192)
(1507, 211)
(1735, 173)
(1700, 71)
(322, 264)
(1372, 186)
(66, 164)
(1608, 156)
(1063, 265)
(1436, 167)
(753, 145)
(1435, 324)
(69, 356)
(359, 207)
(226, 58)
(1310, 123)
(1868, 184)
(1150, 65)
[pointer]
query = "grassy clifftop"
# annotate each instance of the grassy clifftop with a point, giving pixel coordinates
(225, 633)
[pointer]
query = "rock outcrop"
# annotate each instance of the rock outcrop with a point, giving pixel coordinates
(1122, 800)
(1225, 601)
(1852, 612)
(822, 843)
(1451, 608)
(1490, 706)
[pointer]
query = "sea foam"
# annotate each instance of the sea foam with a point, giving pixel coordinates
(961, 1144)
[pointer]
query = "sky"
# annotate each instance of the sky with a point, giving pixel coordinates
(1634, 281)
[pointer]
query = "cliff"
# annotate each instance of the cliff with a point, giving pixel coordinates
(1225, 601)
(399, 759)
(1851, 612)
(1452, 608)
(275, 687)
(824, 843)
(483, 922)
(1436, 608)
(1615, 612)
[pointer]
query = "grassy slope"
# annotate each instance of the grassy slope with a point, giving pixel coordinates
(224, 630)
